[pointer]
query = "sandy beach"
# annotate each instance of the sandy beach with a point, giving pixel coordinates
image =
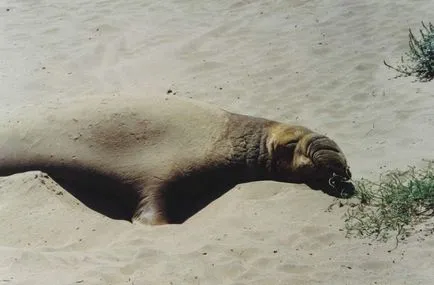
(314, 63)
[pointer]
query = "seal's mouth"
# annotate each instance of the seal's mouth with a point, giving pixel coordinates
(336, 179)
(341, 185)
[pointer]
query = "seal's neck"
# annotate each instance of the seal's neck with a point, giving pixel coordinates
(248, 140)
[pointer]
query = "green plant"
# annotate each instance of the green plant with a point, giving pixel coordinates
(419, 61)
(399, 201)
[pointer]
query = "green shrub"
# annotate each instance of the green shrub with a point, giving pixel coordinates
(419, 61)
(399, 201)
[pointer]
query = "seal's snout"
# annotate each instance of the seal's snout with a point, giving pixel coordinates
(330, 165)
(327, 157)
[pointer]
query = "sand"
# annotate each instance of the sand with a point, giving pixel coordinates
(316, 63)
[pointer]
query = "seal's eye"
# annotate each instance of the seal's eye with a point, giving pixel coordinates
(286, 150)
(291, 144)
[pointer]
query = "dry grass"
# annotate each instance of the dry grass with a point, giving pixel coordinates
(400, 200)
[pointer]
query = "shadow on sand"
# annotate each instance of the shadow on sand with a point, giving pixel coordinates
(179, 200)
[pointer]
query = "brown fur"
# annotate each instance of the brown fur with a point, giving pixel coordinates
(161, 159)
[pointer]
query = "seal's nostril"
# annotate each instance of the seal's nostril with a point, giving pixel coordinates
(333, 180)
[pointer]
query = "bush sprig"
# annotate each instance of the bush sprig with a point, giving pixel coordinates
(399, 201)
(419, 61)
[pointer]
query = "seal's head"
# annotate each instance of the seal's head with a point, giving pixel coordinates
(302, 156)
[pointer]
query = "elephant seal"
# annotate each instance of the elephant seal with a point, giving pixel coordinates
(161, 158)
